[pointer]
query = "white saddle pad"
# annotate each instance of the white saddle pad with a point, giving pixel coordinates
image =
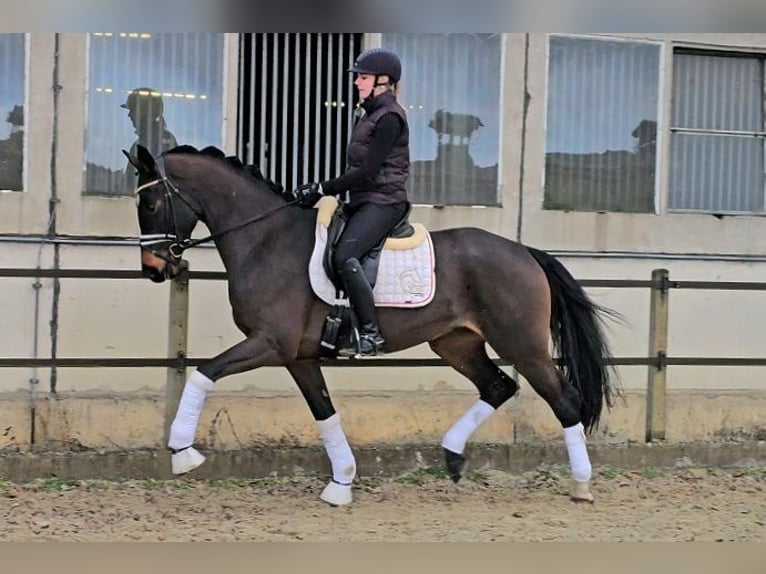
(406, 277)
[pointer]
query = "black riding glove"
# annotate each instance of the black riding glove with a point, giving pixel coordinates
(308, 194)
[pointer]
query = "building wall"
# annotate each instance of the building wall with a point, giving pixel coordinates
(128, 318)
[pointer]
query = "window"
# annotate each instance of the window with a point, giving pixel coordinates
(155, 89)
(451, 90)
(601, 125)
(717, 133)
(12, 55)
(296, 104)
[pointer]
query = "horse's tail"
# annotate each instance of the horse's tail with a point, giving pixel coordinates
(578, 337)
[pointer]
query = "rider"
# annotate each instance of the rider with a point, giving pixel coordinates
(377, 169)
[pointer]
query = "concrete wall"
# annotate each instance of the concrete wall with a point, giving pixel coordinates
(245, 419)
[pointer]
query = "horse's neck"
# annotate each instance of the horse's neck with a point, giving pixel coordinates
(228, 201)
(250, 255)
(245, 223)
(241, 215)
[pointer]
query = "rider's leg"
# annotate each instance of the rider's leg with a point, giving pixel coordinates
(371, 341)
(367, 225)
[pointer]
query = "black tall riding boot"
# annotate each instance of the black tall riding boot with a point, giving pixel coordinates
(369, 341)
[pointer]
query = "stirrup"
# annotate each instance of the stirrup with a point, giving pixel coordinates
(365, 346)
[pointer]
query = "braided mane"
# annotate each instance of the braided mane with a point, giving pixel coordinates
(233, 161)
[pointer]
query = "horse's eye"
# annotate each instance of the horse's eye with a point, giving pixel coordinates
(146, 204)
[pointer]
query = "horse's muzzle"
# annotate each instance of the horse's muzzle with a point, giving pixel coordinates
(156, 266)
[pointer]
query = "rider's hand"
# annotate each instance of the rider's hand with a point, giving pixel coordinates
(308, 194)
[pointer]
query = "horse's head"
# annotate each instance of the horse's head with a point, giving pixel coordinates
(165, 217)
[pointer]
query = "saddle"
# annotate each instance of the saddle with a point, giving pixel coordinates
(336, 223)
(331, 214)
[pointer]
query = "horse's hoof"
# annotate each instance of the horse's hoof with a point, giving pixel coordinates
(337, 494)
(455, 465)
(186, 460)
(581, 492)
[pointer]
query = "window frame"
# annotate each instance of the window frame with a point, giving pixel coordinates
(27, 116)
(224, 137)
(738, 52)
(499, 196)
(659, 172)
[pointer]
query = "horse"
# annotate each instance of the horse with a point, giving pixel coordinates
(520, 301)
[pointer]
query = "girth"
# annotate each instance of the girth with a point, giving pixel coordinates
(371, 260)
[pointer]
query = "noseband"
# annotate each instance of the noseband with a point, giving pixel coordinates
(177, 246)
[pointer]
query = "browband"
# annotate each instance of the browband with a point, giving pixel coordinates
(140, 188)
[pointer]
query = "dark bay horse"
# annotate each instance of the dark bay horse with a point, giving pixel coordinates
(491, 291)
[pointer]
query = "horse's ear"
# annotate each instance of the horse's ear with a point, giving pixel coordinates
(131, 158)
(146, 159)
(143, 160)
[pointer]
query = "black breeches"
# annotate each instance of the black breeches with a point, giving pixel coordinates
(366, 227)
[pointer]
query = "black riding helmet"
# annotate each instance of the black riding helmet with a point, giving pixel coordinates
(378, 61)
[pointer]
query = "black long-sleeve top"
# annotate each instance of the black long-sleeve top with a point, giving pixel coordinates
(387, 132)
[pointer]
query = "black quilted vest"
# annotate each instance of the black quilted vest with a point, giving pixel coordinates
(389, 184)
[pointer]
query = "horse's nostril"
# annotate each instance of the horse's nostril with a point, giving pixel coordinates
(153, 274)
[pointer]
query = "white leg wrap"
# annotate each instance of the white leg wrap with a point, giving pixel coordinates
(456, 437)
(579, 461)
(335, 443)
(184, 426)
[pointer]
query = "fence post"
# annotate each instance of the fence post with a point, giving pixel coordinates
(178, 314)
(658, 350)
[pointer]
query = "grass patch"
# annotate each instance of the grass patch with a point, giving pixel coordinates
(53, 483)
(750, 471)
(549, 474)
(419, 476)
(652, 472)
(610, 473)
(231, 484)
(478, 476)
(151, 484)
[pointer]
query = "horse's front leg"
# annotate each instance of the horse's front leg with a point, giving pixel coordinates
(308, 376)
(243, 356)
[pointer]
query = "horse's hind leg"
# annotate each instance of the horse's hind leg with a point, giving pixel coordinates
(464, 350)
(308, 376)
(541, 373)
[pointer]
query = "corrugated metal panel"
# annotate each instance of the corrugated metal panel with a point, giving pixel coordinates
(716, 173)
(296, 104)
(717, 92)
(717, 154)
(601, 125)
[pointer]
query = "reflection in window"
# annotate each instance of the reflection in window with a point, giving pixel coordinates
(11, 112)
(451, 90)
(601, 131)
(158, 90)
(718, 135)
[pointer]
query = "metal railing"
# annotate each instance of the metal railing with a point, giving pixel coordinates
(178, 360)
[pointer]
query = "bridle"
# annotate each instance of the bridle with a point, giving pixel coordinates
(175, 245)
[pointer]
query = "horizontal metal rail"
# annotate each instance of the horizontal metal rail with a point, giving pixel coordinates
(657, 363)
(180, 363)
(221, 276)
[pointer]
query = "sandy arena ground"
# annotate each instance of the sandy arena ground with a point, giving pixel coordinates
(649, 505)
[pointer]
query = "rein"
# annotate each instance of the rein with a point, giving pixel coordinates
(176, 247)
